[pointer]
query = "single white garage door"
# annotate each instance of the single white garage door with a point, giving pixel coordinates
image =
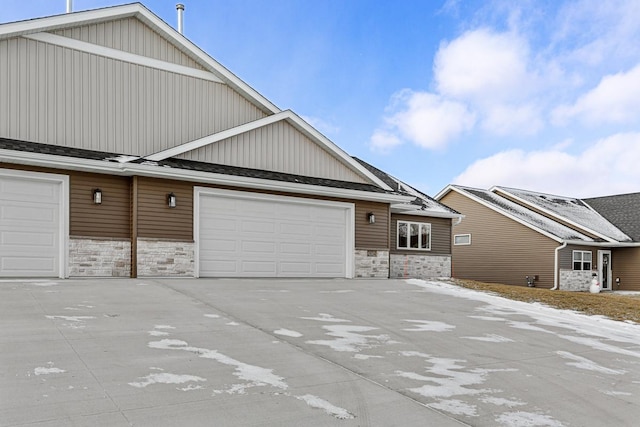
(254, 235)
(30, 225)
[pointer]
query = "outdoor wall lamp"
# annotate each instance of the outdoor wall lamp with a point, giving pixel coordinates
(371, 218)
(97, 196)
(171, 200)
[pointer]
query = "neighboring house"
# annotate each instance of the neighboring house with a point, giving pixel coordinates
(125, 150)
(557, 242)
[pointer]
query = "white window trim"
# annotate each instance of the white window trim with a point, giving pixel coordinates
(462, 244)
(409, 223)
(582, 261)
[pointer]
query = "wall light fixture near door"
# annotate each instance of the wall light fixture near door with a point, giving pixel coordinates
(171, 200)
(97, 196)
(371, 218)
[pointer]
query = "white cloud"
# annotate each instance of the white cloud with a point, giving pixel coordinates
(609, 166)
(429, 120)
(483, 66)
(510, 120)
(616, 99)
(384, 141)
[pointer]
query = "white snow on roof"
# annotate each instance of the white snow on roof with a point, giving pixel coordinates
(571, 210)
(526, 215)
(430, 205)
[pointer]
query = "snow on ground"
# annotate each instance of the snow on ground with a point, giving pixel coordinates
(166, 378)
(527, 419)
(489, 338)
(324, 317)
(212, 316)
(288, 333)
(49, 369)
(543, 316)
(589, 365)
(318, 403)
(350, 338)
(428, 325)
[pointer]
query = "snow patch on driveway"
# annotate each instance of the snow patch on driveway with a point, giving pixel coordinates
(288, 333)
(166, 378)
(324, 317)
(527, 419)
(428, 326)
(318, 403)
(49, 369)
(589, 365)
(490, 338)
(349, 338)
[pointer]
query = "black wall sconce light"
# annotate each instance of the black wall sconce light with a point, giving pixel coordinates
(371, 218)
(97, 196)
(171, 200)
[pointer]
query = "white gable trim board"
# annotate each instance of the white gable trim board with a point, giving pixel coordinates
(243, 234)
(34, 223)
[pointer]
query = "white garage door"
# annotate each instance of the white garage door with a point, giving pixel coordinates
(30, 225)
(253, 235)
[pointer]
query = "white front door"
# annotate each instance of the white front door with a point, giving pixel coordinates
(32, 224)
(242, 234)
(604, 269)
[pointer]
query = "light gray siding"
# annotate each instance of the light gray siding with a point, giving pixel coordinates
(278, 147)
(130, 35)
(60, 96)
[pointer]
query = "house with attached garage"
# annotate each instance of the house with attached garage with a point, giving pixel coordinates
(127, 151)
(525, 238)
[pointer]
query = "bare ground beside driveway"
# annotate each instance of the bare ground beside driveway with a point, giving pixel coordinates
(616, 306)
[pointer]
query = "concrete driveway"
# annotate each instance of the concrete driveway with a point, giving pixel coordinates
(153, 352)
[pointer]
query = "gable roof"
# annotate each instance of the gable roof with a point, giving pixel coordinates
(41, 29)
(622, 210)
(568, 210)
(422, 203)
(530, 219)
(68, 158)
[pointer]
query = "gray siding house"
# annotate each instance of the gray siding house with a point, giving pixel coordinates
(126, 150)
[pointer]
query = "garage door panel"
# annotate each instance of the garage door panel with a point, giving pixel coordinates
(222, 267)
(278, 237)
(30, 224)
(30, 239)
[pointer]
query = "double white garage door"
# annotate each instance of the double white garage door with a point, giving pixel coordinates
(31, 224)
(243, 234)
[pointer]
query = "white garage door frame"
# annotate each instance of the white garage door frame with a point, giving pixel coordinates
(63, 228)
(245, 195)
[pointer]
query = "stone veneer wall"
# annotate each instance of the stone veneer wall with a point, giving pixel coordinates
(99, 258)
(372, 263)
(577, 280)
(161, 258)
(420, 266)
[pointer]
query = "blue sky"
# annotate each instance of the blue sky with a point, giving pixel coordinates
(541, 95)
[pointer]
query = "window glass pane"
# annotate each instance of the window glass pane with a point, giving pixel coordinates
(577, 256)
(424, 236)
(586, 256)
(414, 232)
(462, 239)
(587, 266)
(577, 265)
(402, 234)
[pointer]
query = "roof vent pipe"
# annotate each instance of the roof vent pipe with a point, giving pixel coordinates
(180, 9)
(69, 6)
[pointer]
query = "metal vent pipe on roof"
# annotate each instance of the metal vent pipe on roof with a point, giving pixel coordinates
(180, 9)
(69, 6)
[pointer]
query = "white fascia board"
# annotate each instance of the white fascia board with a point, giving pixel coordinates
(506, 214)
(52, 23)
(419, 212)
(443, 192)
(498, 190)
(210, 139)
(604, 244)
(131, 169)
(121, 55)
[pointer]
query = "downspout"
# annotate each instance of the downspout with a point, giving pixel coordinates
(556, 266)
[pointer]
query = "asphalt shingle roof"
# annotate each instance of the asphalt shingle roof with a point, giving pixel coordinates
(32, 147)
(621, 210)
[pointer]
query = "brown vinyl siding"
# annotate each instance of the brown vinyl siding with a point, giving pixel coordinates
(625, 264)
(440, 235)
(565, 257)
(109, 219)
(156, 219)
(372, 236)
(502, 250)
